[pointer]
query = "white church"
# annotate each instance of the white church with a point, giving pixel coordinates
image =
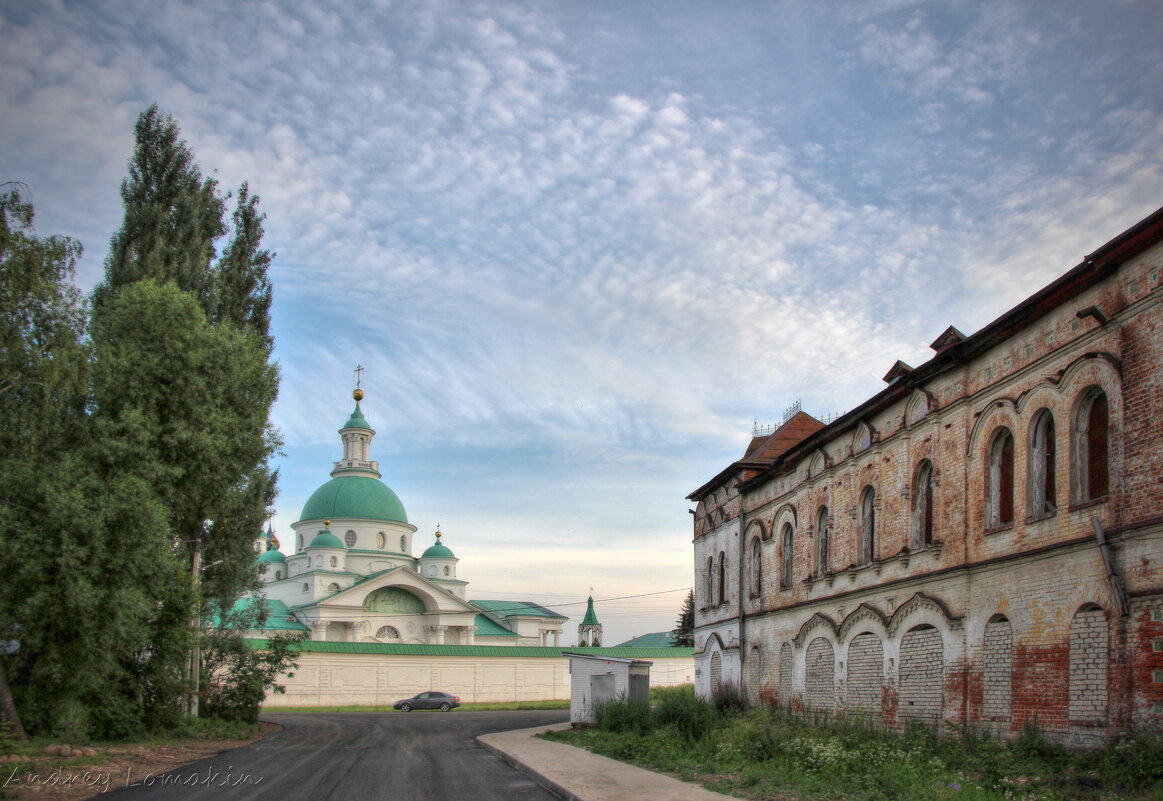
(353, 577)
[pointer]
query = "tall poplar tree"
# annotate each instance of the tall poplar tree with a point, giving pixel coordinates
(183, 383)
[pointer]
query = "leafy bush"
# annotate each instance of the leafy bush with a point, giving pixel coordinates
(623, 715)
(680, 710)
(236, 677)
(729, 697)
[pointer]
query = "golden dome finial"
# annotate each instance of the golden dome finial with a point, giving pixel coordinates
(327, 524)
(358, 395)
(439, 533)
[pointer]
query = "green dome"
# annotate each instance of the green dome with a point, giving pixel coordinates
(272, 556)
(358, 497)
(356, 420)
(325, 539)
(437, 551)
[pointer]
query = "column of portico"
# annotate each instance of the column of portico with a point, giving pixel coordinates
(438, 634)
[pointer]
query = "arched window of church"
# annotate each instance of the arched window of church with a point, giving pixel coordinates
(335, 561)
(447, 570)
(349, 539)
(999, 494)
(278, 575)
(403, 544)
(387, 633)
(306, 587)
(787, 561)
(1090, 444)
(868, 526)
(822, 533)
(756, 568)
(709, 580)
(922, 529)
(300, 546)
(257, 547)
(1042, 500)
(381, 540)
(333, 587)
(722, 578)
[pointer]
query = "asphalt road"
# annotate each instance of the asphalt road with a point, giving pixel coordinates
(391, 756)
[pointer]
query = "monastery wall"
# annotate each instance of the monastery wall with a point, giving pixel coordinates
(380, 679)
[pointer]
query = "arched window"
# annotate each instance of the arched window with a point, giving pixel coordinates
(1090, 439)
(387, 633)
(334, 561)
(306, 587)
(710, 582)
(722, 578)
(1041, 472)
(447, 570)
(756, 568)
(922, 533)
(278, 575)
(381, 540)
(787, 562)
(822, 524)
(333, 587)
(349, 539)
(867, 526)
(300, 545)
(403, 544)
(1000, 480)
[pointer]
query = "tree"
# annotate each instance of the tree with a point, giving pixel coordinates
(685, 625)
(204, 388)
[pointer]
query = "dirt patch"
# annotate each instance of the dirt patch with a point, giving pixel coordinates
(55, 778)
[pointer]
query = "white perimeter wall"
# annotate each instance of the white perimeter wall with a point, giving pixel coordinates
(328, 679)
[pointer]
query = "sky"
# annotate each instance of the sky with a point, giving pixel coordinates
(582, 247)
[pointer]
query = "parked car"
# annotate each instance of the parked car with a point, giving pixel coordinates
(428, 700)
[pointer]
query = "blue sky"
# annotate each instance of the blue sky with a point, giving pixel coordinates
(580, 247)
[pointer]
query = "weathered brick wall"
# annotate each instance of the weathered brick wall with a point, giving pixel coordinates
(865, 674)
(1001, 599)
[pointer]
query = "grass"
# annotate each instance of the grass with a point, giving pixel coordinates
(764, 753)
(490, 706)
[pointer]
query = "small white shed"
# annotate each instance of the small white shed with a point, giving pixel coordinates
(597, 679)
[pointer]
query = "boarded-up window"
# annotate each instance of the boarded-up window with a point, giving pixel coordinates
(1091, 442)
(868, 526)
(865, 675)
(1088, 666)
(922, 524)
(820, 676)
(1000, 480)
(997, 670)
(756, 568)
(787, 563)
(822, 525)
(716, 672)
(786, 666)
(1043, 500)
(722, 578)
(922, 675)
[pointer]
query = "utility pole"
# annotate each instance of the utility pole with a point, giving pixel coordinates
(196, 629)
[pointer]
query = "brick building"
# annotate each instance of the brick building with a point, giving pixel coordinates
(977, 544)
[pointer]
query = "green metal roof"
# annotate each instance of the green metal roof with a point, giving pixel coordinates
(438, 551)
(277, 614)
(659, 639)
(325, 539)
(591, 618)
(356, 420)
(524, 651)
(272, 556)
(485, 627)
(356, 497)
(518, 609)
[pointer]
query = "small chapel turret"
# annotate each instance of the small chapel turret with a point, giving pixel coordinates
(589, 632)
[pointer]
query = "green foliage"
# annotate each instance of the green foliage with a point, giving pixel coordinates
(623, 715)
(765, 752)
(236, 677)
(729, 697)
(684, 627)
(127, 437)
(683, 712)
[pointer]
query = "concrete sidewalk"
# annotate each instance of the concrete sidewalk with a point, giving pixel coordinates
(577, 775)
